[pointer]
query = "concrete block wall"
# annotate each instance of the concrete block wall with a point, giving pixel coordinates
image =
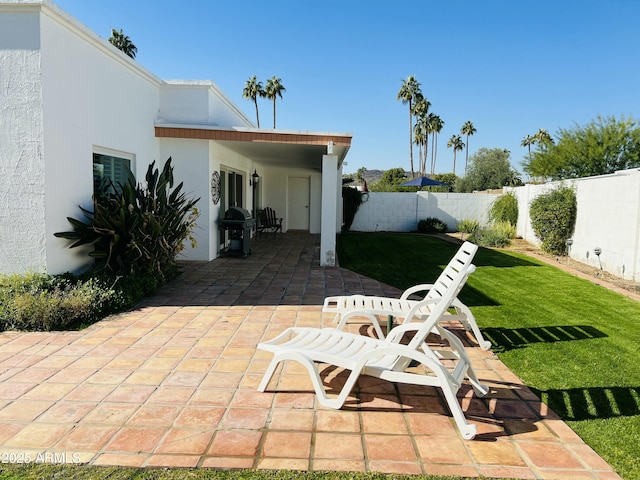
(608, 218)
(400, 212)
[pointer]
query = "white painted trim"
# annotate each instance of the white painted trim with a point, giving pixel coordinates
(208, 126)
(118, 154)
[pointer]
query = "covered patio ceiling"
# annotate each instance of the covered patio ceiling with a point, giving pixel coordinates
(283, 148)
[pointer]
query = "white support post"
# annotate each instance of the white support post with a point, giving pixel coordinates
(328, 229)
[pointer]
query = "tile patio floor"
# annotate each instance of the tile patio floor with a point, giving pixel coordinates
(173, 383)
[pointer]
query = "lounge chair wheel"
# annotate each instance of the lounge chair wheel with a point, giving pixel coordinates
(469, 432)
(486, 345)
(480, 390)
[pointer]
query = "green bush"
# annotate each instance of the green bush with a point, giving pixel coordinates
(468, 226)
(137, 230)
(431, 225)
(351, 201)
(553, 218)
(498, 234)
(505, 209)
(39, 302)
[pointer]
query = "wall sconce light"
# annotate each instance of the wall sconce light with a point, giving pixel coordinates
(255, 177)
(330, 148)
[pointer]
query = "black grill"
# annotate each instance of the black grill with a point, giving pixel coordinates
(239, 223)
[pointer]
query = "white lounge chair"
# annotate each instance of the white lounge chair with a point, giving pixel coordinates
(347, 307)
(386, 359)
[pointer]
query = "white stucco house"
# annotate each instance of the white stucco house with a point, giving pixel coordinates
(71, 104)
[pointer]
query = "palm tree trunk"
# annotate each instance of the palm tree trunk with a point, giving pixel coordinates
(255, 100)
(435, 155)
(274, 112)
(411, 139)
(454, 160)
(433, 152)
(426, 153)
(466, 160)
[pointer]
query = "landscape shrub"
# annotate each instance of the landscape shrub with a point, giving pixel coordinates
(498, 234)
(553, 218)
(351, 201)
(505, 209)
(468, 226)
(137, 229)
(40, 302)
(431, 225)
(136, 233)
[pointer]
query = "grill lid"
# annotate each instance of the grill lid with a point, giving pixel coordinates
(237, 213)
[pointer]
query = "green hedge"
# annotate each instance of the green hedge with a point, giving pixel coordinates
(553, 218)
(40, 302)
(431, 225)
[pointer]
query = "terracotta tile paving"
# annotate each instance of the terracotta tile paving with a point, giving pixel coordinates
(173, 383)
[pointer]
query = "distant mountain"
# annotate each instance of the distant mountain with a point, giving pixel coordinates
(372, 176)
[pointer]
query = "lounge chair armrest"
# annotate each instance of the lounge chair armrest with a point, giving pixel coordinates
(424, 287)
(397, 332)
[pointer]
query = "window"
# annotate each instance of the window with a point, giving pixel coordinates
(110, 171)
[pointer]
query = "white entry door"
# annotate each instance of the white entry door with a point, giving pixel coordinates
(298, 203)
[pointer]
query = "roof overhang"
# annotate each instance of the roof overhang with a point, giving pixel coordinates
(287, 148)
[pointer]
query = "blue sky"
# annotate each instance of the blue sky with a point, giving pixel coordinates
(510, 66)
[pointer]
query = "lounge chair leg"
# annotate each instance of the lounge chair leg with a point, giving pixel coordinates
(471, 324)
(264, 383)
(466, 430)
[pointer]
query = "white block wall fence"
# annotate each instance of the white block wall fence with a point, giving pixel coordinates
(401, 212)
(608, 219)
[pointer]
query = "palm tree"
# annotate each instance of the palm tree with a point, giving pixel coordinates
(420, 110)
(527, 142)
(123, 43)
(252, 90)
(467, 129)
(456, 143)
(409, 92)
(419, 137)
(543, 138)
(274, 89)
(435, 125)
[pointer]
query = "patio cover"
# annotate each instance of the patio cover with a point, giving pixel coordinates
(321, 151)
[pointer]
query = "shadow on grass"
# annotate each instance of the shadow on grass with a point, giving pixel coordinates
(495, 258)
(505, 339)
(592, 402)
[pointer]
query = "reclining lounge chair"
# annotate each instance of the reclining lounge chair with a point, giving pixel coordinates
(347, 307)
(388, 358)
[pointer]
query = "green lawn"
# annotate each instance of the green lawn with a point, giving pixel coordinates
(574, 343)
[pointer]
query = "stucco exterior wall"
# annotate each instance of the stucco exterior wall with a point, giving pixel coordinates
(400, 212)
(93, 95)
(22, 188)
(275, 182)
(608, 218)
(66, 93)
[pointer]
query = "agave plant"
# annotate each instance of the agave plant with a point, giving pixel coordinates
(136, 230)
